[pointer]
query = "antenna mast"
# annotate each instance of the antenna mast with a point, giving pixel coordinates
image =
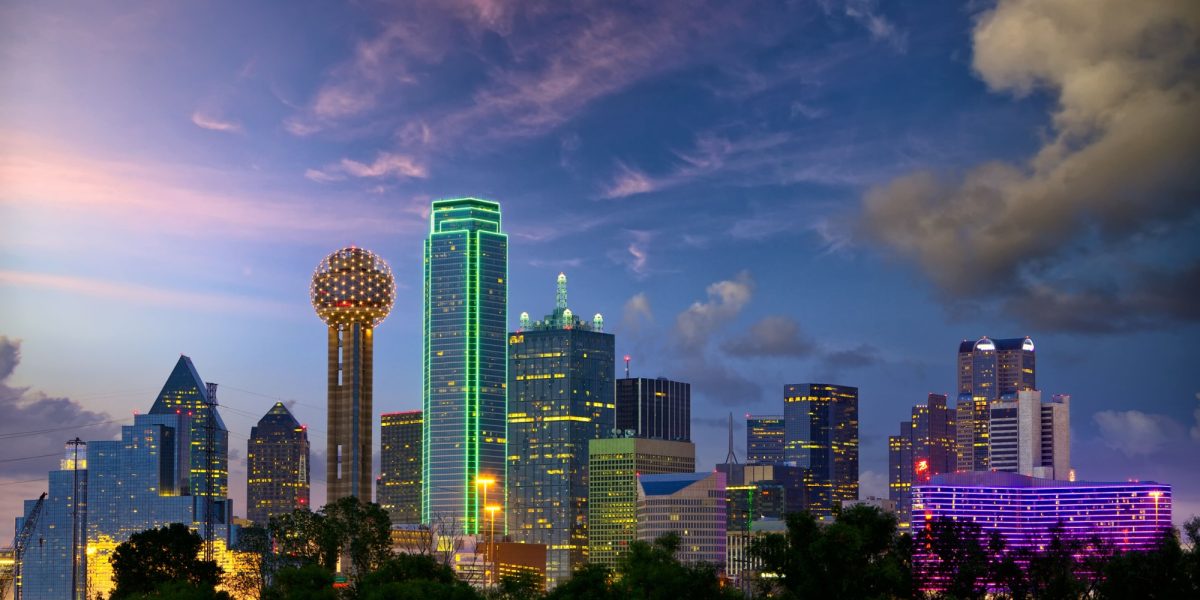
(731, 458)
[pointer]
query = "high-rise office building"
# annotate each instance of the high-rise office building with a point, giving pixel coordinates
(658, 409)
(54, 564)
(277, 469)
(764, 490)
(613, 468)
(691, 505)
(925, 447)
(352, 292)
(399, 489)
(821, 424)
(764, 439)
(560, 396)
(465, 363)
(185, 393)
(987, 370)
(1031, 436)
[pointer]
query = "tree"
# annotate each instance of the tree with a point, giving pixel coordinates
(254, 545)
(162, 557)
(360, 530)
(1158, 573)
(589, 582)
(859, 555)
(522, 585)
(961, 565)
(650, 571)
(414, 576)
(307, 582)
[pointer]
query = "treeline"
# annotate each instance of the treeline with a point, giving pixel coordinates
(861, 555)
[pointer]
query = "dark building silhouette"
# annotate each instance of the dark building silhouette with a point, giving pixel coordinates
(277, 468)
(925, 447)
(657, 409)
(764, 439)
(822, 437)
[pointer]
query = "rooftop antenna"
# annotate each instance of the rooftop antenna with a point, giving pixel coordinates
(626, 366)
(560, 298)
(731, 458)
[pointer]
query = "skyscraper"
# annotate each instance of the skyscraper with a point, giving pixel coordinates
(822, 436)
(399, 490)
(185, 393)
(988, 369)
(1031, 436)
(925, 447)
(54, 564)
(658, 409)
(352, 292)
(277, 468)
(560, 392)
(764, 439)
(465, 363)
(613, 468)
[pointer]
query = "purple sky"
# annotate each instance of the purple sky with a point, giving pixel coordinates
(752, 194)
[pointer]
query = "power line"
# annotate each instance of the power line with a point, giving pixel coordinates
(22, 481)
(8, 460)
(8, 435)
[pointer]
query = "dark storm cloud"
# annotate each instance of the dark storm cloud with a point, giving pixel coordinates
(772, 336)
(29, 411)
(1121, 159)
(863, 355)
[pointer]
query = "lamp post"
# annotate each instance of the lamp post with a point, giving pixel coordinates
(485, 482)
(492, 510)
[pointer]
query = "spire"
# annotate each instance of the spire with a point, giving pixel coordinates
(524, 321)
(731, 458)
(560, 298)
(598, 322)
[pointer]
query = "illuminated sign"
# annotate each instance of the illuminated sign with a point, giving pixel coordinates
(921, 468)
(516, 339)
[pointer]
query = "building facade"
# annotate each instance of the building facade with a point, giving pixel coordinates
(277, 469)
(613, 469)
(464, 399)
(1125, 516)
(208, 439)
(926, 446)
(560, 397)
(398, 490)
(1031, 436)
(987, 370)
(764, 438)
(658, 409)
(692, 505)
(352, 292)
(821, 423)
(54, 563)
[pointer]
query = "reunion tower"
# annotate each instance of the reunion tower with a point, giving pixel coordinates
(352, 291)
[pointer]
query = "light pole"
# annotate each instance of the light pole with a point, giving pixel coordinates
(492, 510)
(485, 482)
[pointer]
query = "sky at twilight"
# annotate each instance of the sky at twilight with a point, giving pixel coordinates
(752, 194)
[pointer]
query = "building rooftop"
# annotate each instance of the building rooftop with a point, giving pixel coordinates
(667, 484)
(1016, 480)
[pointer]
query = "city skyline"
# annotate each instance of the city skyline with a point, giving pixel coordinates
(691, 182)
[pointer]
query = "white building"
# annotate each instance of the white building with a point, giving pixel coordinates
(690, 504)
(1030, 436)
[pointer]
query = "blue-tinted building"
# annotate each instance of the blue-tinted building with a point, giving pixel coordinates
(55, 563)
(764, 439)
(692, 505)
(655, 409)
(821, 424)
(560, 396)
(277, 468)
(188, 395)
(465, 363)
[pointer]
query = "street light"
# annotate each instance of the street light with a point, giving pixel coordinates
(1156, 494)
(492, 510)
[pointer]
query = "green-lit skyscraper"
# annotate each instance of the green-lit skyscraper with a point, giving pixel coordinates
(560, 397)
(465, 365)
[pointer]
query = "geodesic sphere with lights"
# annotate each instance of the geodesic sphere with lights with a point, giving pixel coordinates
(353, 285)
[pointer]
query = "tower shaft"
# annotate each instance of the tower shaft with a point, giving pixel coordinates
(348, 459)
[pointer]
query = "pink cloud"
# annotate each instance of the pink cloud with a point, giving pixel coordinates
(212, 123)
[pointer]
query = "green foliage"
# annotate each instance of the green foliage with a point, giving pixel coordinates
(859, 555)
(308, 582)
(360, 529)
(1166, 572)
(158, 558)
(414, 576)
(178, 590)
(522, 585)
(589, 582)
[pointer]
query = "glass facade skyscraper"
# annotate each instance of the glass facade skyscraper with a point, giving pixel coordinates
(764, 439)
(822, 437)
(277, 469)
(987, 370)
(465, 363)
(658, 409)
(925, 447)
(48, 571)
(399, 488)
(613, 468)
(185, 393)
(560, 397)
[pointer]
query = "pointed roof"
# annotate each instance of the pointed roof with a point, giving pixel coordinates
(183, 382)
(279, 415)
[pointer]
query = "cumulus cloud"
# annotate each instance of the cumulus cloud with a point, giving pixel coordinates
(212, 123)
(636, 312)
(726, 299)
(772, 336)
(386, 164)
(28, 410)
(1135, 433)
(1119, 159)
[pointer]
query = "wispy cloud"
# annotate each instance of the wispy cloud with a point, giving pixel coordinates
(128, 293)
(386, 164)
(629, 182)
(213, 123)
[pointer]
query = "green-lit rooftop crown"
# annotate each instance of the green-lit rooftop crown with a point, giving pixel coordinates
(464, 214)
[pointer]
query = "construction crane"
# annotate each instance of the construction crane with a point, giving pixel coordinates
(19, 544)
